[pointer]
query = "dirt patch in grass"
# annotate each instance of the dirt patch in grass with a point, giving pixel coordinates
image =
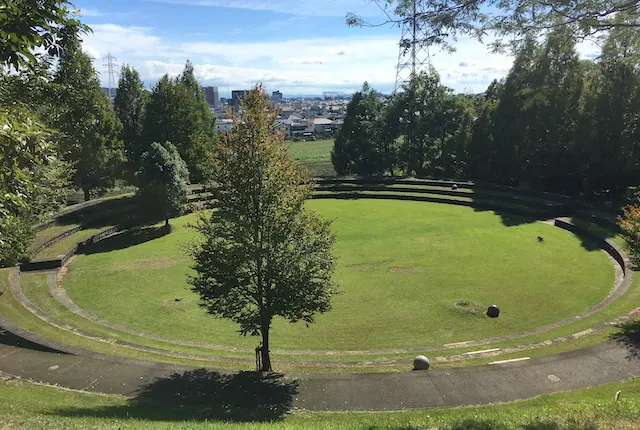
(465, 307)
(405, 270)
(370, 265)
(146, 263)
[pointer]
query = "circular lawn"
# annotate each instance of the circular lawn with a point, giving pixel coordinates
(412, 274)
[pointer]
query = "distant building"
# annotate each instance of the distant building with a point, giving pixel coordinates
(224, 125)
(236, 95)
(287, 111)
(211, 94)
(276, 96)
(322, 125)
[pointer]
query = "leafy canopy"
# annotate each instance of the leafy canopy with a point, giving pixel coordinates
(90, 130)
(162, 180)
(262, 253)
(25, 25)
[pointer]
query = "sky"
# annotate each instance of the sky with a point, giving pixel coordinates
(299, 47)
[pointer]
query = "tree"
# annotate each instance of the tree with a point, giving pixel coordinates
(630, 224)
(431, 126)
(90, 130)
(263, 254)
(129, 105)
(29, 24)
(178, 112)
(610, 115)
(511, 20)
(358, 148)
(162, 180)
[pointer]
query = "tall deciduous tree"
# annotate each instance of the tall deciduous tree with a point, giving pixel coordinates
(431, 126)
(162, 180)
(90, 130)
(358, 148)
(129, 104)
(509, 21)
(263, 254)
(178, 112)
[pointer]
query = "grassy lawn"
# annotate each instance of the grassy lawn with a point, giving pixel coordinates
(318, 150)
(315, 155)
(65, 245)
(43, 236)
(401, 278)
(28, 406)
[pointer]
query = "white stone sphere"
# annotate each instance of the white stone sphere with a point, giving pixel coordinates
(421, 363)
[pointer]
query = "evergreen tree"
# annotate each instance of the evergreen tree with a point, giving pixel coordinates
(162, 180)
(263, 254)
(90, 130)
(359, 148)
(129, 105)
(430, 124)
(610, 121)
(178, 112)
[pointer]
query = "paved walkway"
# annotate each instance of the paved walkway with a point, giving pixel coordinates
(353, 392)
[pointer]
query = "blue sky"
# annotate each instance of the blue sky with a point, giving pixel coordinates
(295, 46)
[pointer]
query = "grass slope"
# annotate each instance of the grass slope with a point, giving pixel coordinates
(28, 406)
(401, 276)
(315, 155)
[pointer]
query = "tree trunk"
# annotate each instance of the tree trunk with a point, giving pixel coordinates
(266, 360)
(87, 196)
(166, 221)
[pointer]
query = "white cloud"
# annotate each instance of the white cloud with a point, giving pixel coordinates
(88, 12)
(292, 7)
(302, 66)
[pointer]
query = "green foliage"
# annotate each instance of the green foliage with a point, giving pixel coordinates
(129, 104)
(511, 22)
(29, 24)
(89, 128)
(630, 224)
(178, 112)
(25, 148)
(434, 124)
(162, 180)
(358, 149)
(263, 254)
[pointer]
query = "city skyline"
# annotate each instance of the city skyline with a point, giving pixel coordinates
(297, 47)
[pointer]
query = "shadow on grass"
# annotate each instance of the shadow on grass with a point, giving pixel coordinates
(132, 237)
(480, 424)
(204, 395)
(628, 336)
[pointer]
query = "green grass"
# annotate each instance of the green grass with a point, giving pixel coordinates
(318, 150)
(47, 234)
(65, 245)
(27, 406)
(401, 277)
(315, 155)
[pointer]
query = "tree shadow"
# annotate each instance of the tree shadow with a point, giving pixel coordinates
(628, 336)
(125, 239)
(204, 395)
(488, 424)
(10, 339)
(102, 213)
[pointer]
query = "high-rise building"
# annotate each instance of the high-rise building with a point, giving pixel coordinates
(211, 94)
(236, 95)
(276, 96)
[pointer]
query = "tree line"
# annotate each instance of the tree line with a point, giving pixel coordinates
(555, 123)
(61, 131)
